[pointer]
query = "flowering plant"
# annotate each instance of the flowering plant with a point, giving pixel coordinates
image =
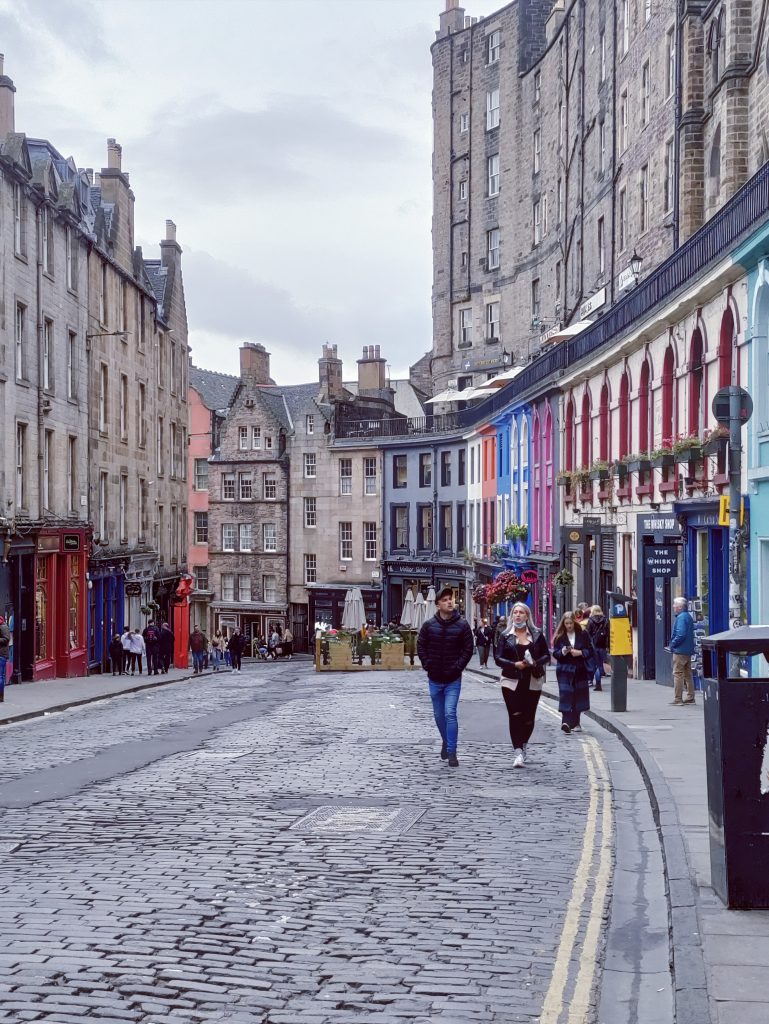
(508, 586)
(479, 593)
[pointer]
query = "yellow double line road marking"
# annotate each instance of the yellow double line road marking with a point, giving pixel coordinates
(599, 812)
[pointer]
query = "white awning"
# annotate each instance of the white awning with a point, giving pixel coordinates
(449, 395)
(501, 379)
(569, 332)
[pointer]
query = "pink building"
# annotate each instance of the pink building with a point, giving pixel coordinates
(209, 399)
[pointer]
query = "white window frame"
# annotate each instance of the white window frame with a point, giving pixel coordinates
(369, 475)
(537, 86)
(229, 486)
(201, 478)
(200, 525)
(228, 586)
(268, 442)
(466, 326)
(244, 588)
(624, 121)
(492, 109)
(245, 486)
(142, 424)
(309, 423)
(19, 220)
(345, 541)
(270, 537)
(310, 513)
(229, 536)
(464, 123)
(103, 399)
(345, 476)
(463, 189)
(645, 93)
(536, 219)
(270, 588)
(270, 487)
(602, 147)
(370, 542)
(492, 320)
(20, 327)
(492, 248)
(243, 439)
(603, 55)
(492, 169)
(123, 509)
(537, 150)
(123, 407)
(625, 26)
(245, 537)
(493, 43)
(536, 301)
(310, 466)
(670, 62)
(71, 474)
(256, 438)
(622, 234)
(310, 569)
(643, 199)
(48, 455)
(21, 458)
(601, 246)
(669, 174)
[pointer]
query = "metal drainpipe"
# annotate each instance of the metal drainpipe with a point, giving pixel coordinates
(677, 136)
(39, 314)
(612, 282)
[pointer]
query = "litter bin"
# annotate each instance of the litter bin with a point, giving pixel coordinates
(737, 759)
(620, 645)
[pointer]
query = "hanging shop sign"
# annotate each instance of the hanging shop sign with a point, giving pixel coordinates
(661, 560)
(70, 542)
(593, 303)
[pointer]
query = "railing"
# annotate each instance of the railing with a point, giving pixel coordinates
(369, 427)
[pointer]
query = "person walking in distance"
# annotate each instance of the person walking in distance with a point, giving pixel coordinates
(522, 654)
(598, 631)
(151, 636)
(484, 639)
(166, 648)
(116, 655)
(445, 646)
(288, 643)
(5, 648)
(574, 656)
(137, 649)
(217, 650)
(128, 658)
(199, 647)
(682, 648)
(235, 647)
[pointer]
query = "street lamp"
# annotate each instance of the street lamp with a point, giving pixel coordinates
(108, 334)
(505, 357)
(635, 265)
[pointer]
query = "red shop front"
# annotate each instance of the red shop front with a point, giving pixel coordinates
(60, 604)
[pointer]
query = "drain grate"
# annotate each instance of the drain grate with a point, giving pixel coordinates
(349, 820)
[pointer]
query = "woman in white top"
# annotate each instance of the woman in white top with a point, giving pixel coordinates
(137, 648)
(522, 654)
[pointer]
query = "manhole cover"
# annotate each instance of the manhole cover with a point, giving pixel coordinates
(342, 820)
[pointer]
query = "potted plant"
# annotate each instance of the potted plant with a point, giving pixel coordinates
(516, 531)
(480, 591)
(662, 457)
(687, 447)
(499, 552)
(715, 440)
(507, 586)
(620, 468)
(563, 479)
(599, 470)
(581, 478)
(639, 462)
(563, 578)
(466, 555)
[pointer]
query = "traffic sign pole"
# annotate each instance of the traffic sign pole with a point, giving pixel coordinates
(733, 406)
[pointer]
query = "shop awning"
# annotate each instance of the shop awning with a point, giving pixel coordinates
(568, 332)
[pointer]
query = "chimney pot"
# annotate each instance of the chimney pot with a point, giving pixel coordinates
(170, 231)
(377, 351)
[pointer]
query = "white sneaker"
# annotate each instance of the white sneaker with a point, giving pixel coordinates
(520, 759)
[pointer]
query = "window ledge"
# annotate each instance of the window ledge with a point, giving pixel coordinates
(720, 479)
(668, 487)
(624, 492)
(644, 490)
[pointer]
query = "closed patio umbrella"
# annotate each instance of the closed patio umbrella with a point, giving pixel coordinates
(357, 609)
(419, 611)
(347, 614)
(407, 615)
(430, 608)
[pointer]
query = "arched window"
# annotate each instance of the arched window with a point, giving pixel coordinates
(643, 408)
(624, 416)
(586, 432)
(547, 504)
(696, 385)
(725, 347)
(536, 486)
(603, 418)
(568, 437)
(668, 427)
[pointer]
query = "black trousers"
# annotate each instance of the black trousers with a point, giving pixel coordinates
(236, 656)
(521, 706)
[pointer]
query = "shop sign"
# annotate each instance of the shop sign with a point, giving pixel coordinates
(425, 569)
(661, 559)
(133, 589)
(70, 542)
(592, 521)
(659, 524)
(593, 303)
(626, 279)
(551, 333)
(48, 543)
(529, 576)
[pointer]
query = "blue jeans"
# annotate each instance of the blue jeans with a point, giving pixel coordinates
(217, 656)
(601, 657)
(445, 697)
(198, 660)
(3, 663)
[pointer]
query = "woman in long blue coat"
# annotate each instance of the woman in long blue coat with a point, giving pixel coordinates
(574, 657)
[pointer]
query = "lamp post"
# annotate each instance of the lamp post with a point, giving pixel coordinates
(635, 265)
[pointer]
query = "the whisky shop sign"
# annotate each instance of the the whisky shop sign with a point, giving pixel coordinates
(422, 568)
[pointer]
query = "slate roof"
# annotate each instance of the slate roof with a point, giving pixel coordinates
(297, 397)
(216, 389)
(158, 278)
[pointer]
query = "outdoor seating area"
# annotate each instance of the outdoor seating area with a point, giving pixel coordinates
(359, 646)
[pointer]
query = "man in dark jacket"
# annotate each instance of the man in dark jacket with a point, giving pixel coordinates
(445, 646)
(166, 647)
(152, 642)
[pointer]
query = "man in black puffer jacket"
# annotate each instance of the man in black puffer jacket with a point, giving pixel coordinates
(445, 646)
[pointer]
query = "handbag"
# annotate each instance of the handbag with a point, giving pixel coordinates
(537, 671)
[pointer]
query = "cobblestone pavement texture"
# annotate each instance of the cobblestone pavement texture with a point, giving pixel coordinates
(149, 872)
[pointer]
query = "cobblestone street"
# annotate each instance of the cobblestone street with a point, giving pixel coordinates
(151, 873)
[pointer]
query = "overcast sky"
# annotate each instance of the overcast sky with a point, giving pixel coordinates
(289, 140)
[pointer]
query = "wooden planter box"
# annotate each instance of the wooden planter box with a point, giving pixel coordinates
(392, 656)
(715, 446)
(693, 454)
(664, 461)
(599, 474)
(340, 658)
(639, 466)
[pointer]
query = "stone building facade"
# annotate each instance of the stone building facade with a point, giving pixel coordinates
(569, 138)
(44, 529)
(138, 417)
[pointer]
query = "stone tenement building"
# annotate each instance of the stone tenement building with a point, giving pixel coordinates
(569, 138)
(93, 388)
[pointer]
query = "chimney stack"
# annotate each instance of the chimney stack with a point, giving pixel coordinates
(371, 371)
(7, 109)
(330, 374)
(114, 155)
(452, 19)
(254, 362)
(170, 231)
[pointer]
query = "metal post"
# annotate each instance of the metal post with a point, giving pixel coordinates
(618, 682)
(736, 420)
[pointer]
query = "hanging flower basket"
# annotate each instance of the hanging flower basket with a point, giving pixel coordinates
(563, 578)
(508, 586)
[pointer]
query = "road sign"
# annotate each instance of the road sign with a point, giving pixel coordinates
(721, 403)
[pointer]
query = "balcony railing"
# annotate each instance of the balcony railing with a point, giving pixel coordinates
(398, 427)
